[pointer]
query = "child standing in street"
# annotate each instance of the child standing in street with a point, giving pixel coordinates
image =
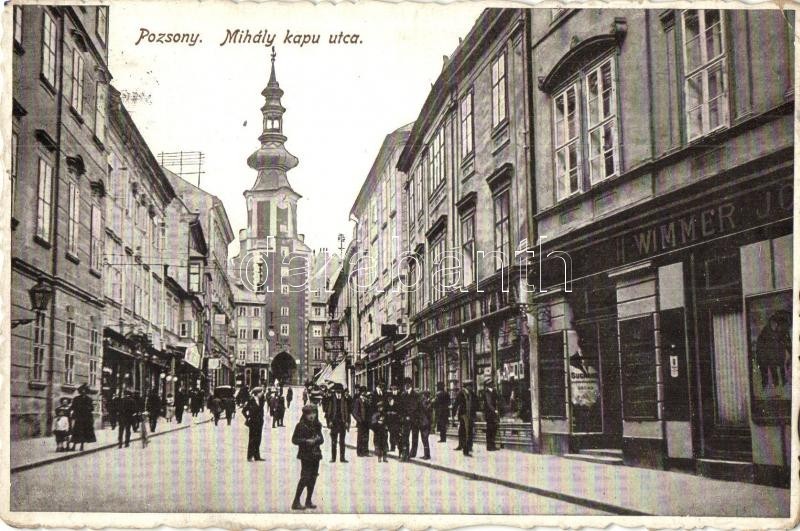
(308, 437)
(378, 422)
(61, 425)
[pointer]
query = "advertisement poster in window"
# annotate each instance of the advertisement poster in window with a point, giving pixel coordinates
(769, 325)
(584, 388)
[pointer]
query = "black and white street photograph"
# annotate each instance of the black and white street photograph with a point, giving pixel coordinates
(383, 264)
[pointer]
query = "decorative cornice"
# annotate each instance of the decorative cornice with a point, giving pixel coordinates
(500, 177)
(467, 202)
(45, 139)
(75, 165)
(438, 226)
(582, 52)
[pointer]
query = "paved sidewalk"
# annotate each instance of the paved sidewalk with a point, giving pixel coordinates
(39, 451)
(614, 488)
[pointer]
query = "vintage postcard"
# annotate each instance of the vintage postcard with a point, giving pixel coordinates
(398, 264)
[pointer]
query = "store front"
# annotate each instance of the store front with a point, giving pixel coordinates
(672, 345)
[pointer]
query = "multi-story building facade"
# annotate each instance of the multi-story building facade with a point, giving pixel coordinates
(273, 260)
(380, 216)
(138, 195)
(253, 338)
(58, 182)
(217, 323)
(663, 154)
(343, 318)
(322, 268)
(466, 194)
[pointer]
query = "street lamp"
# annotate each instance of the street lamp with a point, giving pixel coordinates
(40, 295)
(271, 331)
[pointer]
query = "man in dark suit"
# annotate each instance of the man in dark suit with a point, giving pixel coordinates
(491, 413)
(338, 419)
(442, 410)
(409, 420)
(392, 408)
(362, 414)
(254, 413)
(466, 405)
(126, 416)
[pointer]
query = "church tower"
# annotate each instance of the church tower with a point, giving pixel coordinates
(271, 270)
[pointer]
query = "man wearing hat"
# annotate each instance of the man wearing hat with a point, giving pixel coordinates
(126, 416)
(338, 418)
(254, 413)
(465, 407)
(362, 415)
(409, 420)
(491, 413)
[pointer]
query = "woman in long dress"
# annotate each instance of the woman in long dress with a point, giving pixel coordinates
(82, 418)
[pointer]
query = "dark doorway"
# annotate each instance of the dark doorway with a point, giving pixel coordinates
(283, 368)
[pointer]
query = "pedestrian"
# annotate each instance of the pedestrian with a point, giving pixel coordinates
(425, 422)
(126, 417)
(361, 414)
(215, 407)
(308, 438)
(305, 395)
(392, 403)
(112, 408)
(242, 396)
(280, 407)
(378, 422)
(153, 408)
(442, 410)
(230, 409)
(338, 420)
(380, 393)
(409, 421)
(61, 424)
(491, 414)
(289, 396)
(195, 401)
(180, 404)
(254, 414)
(170, 409)
(82, 429)
(465, 408)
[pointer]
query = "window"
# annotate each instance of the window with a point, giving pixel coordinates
(499, 112)
(100, 112)
(284, 311)
(76, 101)
(411, 201)
(317, 353)
(317, 311)
(602, 122)
(93, 373)
(284, 329)
(43, 209)
(242, 354)
(18, 24)
(317, 331)
(242, 312)
(256, 312)
(502, 229)
(185, 329)
(468, 249)
(69, 353)
(566, 142)
(14, 161)
(49, 49)
(420, 189)
(256, 333)
(38, 348)
(705, 75)
(437, 267)
(256, 356)
(437, 164)
(194, 278)
(242, 333)
(102, 23)
(96, 250)
(284, 290)
(467, 141)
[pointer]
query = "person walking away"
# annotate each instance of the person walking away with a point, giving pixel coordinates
(490, 413)
(305, 395)
(180, 404)
(61, 424)
(230, 409)
(308, 438)
(280, 408)
(153, 408)
(170, 409)
(425, 422)
(393, 417)
(442, 410)
(361, 414)
(126, 415)
(215, 407)
(273, 408)
(338, 419)
(82, 430)
(195, 401)
(254, 414)
(409, 421)
(113, 407)
(289, 396)
(380, 439)
(465, 409)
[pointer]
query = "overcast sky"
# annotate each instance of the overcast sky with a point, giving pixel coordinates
(341, 99)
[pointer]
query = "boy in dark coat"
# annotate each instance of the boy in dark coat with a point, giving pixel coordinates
(378, 422)
(308, 438)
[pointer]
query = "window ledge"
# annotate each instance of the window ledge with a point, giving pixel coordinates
(72, 257)
(18, 49)
(99, 143)
(68, 388)
(37, 384)
(41, 241)
(76, 114)
(95, 272)
(49, 86)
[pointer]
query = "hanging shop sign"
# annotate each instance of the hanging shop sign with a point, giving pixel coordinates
(584, 387)
(192, 356)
